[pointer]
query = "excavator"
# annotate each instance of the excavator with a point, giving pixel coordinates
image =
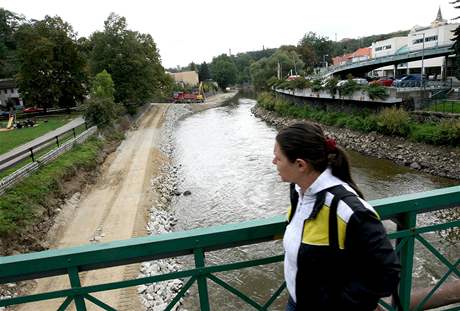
(197, 96)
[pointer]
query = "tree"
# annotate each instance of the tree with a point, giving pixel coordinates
(133, 61)
(203, 73)
(266, 68)
(313, 48)
(52, 71)
(101, 109)
(9, 24)
(223, 71)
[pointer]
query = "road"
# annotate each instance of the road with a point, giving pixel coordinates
(113, 209)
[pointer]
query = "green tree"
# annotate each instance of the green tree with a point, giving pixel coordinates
(9, 24)
(223, 71)
(203, 73)
(100, 108)
(132, 59)
(52, 71)
(287, 60)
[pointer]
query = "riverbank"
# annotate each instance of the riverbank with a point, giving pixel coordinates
(435, 160)
(161, 218)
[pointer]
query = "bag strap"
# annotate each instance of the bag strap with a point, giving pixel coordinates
(339, 192)
(294, 196)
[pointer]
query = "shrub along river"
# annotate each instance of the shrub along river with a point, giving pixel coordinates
(225, 159)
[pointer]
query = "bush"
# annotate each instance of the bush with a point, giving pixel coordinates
(393, 121)
(100, 111)
(348, 88)
(316, 86)
(376, 91)
(331, 85)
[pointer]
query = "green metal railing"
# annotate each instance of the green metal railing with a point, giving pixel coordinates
(72, 261)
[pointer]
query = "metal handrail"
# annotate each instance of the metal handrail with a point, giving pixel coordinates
(71, 261)
(10, 159)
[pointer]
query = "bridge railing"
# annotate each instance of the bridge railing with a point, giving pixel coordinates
(72, 261)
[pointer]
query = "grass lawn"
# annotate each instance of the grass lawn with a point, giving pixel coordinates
(17, 137)
(447, 106)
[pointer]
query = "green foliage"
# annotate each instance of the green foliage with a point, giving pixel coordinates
(52, 71)
(101, 109)
(390, 121)
(316, 85)
(23, 204)
(103, 86)
(447, 132)
(265, 68)
(9, 24)
(203, 73)
(393, 121)
(376, 91)
(223, 71)
(133, 61)
(273, 82)
(348, 88)
(331, 86)
(301, 83)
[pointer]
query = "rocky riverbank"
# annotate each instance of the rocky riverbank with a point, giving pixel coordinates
(435, 160)
(162, 219)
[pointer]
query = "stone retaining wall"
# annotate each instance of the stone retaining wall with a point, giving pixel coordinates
(436, 160)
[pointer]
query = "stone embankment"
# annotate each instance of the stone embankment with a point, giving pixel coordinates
(162, 219)
(435, 160)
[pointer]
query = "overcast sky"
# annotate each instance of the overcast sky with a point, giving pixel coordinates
(198, 30)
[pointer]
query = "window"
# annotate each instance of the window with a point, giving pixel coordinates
(417, 41)
(431, 38)
(384, 47)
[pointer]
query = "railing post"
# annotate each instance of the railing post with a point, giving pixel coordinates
(406, 221)
(73, 131)
(32, 154)
(75, 283)
(57, 140)
(202, 285)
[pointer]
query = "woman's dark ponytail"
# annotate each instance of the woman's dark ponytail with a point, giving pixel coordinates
(340, 168)
(307, 141)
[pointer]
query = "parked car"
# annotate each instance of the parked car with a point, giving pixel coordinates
(412, 80)
(383, 81)
(32, 109)
(361, 81)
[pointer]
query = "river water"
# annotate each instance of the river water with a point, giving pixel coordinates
(225, 159)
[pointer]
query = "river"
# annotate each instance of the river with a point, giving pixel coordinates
(225, 158)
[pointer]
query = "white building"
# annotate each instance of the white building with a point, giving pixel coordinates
(9, 90)
(438, 34)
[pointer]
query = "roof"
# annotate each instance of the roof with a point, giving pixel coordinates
(7, 84)
(362, 52)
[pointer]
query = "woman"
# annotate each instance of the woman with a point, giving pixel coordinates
(337, 254)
